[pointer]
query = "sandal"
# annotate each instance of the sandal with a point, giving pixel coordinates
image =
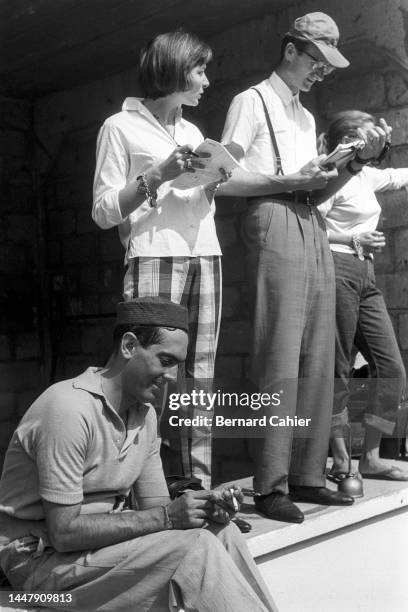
(338, 476)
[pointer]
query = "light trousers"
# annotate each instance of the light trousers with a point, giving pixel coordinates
(209, 570)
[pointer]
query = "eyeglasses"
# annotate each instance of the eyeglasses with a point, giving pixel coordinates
(318, 66)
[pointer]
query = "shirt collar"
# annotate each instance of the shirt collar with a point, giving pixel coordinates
(283, 91)
(91, 381)
(136, 104)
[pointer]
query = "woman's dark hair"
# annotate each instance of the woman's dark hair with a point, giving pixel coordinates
(344, 124)
(166, 61)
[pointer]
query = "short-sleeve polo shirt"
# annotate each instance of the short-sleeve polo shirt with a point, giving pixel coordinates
(72, 447)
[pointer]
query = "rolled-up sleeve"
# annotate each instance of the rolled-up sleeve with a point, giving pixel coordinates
(112, 167)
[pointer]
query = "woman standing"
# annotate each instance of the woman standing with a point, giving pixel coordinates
(169, 234)
(362, 319)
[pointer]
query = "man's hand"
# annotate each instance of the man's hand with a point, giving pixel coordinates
(191, 509)
(312, 176)
(225, 504)
(211, 188)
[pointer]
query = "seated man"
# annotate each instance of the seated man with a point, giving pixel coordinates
(78, 452)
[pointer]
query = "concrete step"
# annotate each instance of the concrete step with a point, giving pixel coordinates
(339, 559)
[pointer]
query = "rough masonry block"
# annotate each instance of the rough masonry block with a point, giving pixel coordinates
(12, 258)
(13, 143)
(15, 376)
(79, 249)
(15, 113)
(27, 346)
(394, 209)
(21, 228)
(7, 406)
(401, 249)
(5, 349)
(111, 247)
(25, 399)
(398, 119)
(403, 331)
(61, 222)
(396, 89)
(341, 94)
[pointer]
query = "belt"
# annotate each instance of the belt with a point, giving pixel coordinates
(297, 197)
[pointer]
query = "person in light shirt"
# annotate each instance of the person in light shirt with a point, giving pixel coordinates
(168, 234)
(352, 215)
(290, 269)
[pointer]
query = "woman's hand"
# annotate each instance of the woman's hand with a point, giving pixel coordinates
(372, 241)
(182, 159)
(374, 138)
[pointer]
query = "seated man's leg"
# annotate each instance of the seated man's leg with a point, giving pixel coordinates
(132, 575)
(210, 578)
(136, 574)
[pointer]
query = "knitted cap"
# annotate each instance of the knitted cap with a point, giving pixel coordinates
(152, 310)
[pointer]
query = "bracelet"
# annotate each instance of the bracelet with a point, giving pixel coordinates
(357, 247)
(151, 196)
(385, 149)
(361, 161)
(352, 170)
(168, 523)
(215, 189)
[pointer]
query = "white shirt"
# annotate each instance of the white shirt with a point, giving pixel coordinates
(183, 222)
(354, 209)
(294, 128)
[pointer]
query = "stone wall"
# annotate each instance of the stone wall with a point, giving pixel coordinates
(20, 364)
(81, 265)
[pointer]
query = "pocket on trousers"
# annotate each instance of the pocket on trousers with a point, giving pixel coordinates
(257, 223)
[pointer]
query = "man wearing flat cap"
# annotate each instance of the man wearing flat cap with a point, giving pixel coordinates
(82, 450)
(291, 278)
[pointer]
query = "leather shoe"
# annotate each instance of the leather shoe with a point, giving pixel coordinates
(320, 495)
(279, 507)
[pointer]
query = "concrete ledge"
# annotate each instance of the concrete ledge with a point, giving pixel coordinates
(340, 558)
(380, 497)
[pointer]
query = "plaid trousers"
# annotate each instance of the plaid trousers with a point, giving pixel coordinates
(194, 282)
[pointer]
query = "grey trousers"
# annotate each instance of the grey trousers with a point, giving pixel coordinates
(208, 570)
(292, 297)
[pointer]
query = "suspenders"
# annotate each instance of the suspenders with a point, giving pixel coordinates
(272, 133)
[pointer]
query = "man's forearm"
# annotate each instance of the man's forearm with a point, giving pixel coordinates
(90, 531)
(244, 184)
